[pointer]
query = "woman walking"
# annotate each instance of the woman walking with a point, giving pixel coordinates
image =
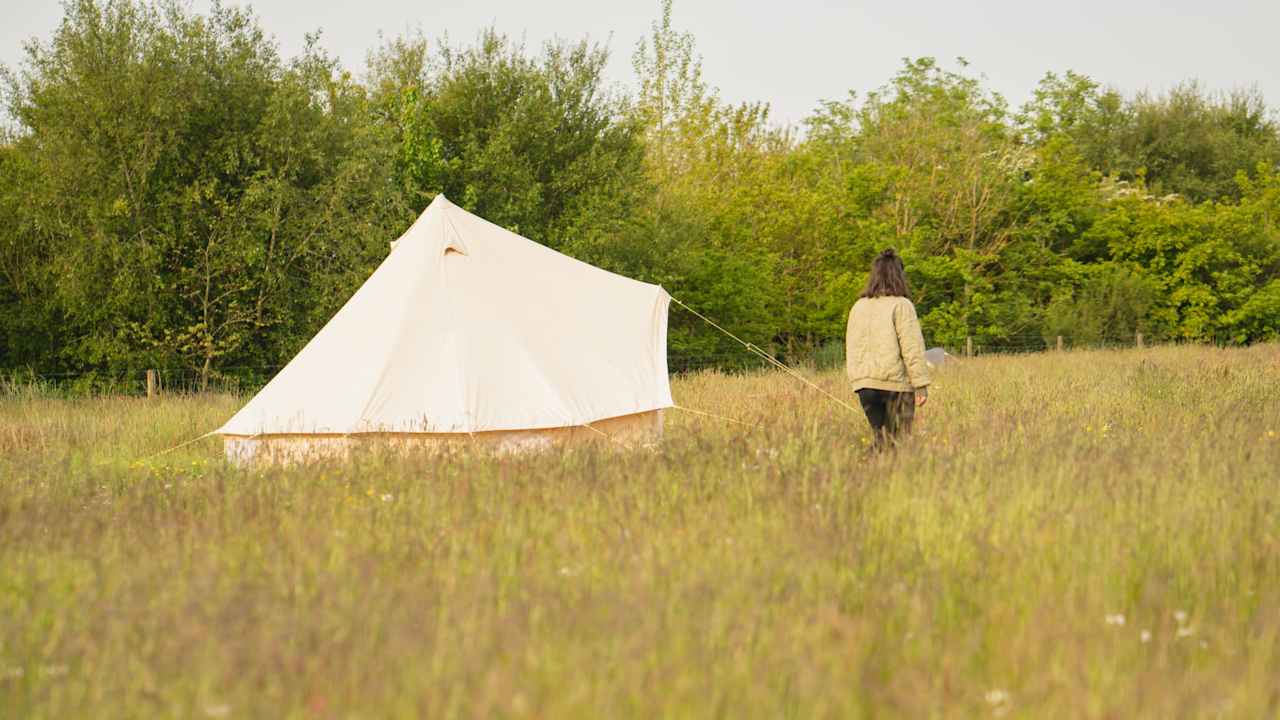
(885, 352)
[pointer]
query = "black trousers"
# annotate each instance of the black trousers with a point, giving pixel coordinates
(890, 413)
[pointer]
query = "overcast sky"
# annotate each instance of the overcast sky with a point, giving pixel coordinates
(794, 53)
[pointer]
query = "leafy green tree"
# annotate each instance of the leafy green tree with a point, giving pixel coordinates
(1106, 303)
(1205, 261)
(190, 189)
(29, 326)
(1193, 143)
(944, 141)
(1075, 108)
(936, 152)
(539, 145)
(705, 222)
(1188, 142)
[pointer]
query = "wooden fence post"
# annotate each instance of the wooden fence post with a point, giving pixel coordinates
(1138, 339)
(968, 346)
(151, 383)
(1059, 343)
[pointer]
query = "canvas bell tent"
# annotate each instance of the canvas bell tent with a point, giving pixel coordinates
(468, 332)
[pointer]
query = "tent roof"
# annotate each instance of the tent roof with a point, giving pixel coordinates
(467, 327)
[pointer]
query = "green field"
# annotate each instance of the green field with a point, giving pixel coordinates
(1083, 534)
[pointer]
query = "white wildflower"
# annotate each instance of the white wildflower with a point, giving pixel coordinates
(1145, 636)
(1184, 632)
(217, 711)
(388, 497)
(997, 697)
(1115, 619)
(1180, 616)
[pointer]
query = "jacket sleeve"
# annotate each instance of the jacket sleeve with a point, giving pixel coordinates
(911, 343)
(848, 345)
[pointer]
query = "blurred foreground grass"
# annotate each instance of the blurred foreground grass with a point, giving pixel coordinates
(1088, 534)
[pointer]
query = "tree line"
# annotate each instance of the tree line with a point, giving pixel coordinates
(174, 193)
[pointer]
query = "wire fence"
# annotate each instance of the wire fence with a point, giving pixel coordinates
(135, 382)
(832, 354)
(243, 379)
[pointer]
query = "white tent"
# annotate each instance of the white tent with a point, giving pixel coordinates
(468, 331)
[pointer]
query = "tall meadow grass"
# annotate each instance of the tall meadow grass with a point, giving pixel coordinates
(1080, 534)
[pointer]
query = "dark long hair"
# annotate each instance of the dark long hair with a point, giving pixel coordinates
(887, 277)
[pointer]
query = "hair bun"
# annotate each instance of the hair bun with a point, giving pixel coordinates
(889, 253)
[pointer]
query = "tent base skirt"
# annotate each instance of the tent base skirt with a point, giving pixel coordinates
(635, 430)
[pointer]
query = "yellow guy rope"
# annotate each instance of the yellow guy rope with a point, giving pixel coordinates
(176, 447)
(600, 432)
(771, 359)
(713, 415)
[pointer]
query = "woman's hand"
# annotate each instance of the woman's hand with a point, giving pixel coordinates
(922, 396)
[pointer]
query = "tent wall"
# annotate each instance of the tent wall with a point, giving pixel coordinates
(469, 328)
(242, 450)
